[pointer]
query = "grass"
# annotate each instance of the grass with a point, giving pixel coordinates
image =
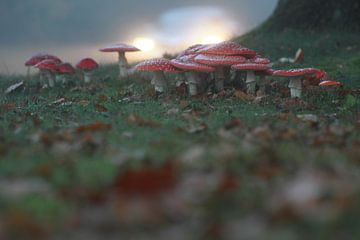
(268, 147)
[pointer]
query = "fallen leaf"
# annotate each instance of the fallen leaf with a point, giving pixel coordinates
(101, 108)
(243, 96)
(98, 126)
(140, 121)
(84, 103)
(147, 180)
(184, 104)
(14, 87)
(7, 107)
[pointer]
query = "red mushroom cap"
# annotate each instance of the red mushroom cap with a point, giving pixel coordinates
(35, 59)
(194, 49)
(330, 83)
(300, 72)
(228, 48)
(187, 64)
(312, 75)
(219, 60)
(157, 64)
(87, 64)
(251, 66)
(120, 48)
(48, 64)
(259, 60)
(66, 68)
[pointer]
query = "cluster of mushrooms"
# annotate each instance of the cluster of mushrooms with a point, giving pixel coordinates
(201, 67)
(52, 70)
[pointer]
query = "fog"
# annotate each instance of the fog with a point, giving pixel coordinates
(72, 29)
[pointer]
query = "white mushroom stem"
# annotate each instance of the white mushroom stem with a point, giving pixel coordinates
(88, 75)
(250, 82)
(58, 78)
(123, 65)
(159, 81)
(51, 78)
(295, 86)
(219, 79)
(194, 82)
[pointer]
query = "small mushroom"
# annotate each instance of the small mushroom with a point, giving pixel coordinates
(48, 67)
(87, 66)
(222, 64)
(157, 66)
(193, 69)
(298, 76)
(251, 69)
(121, 49)
(330, 83)
(65, 69)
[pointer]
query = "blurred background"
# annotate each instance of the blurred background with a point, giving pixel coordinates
(76, 29)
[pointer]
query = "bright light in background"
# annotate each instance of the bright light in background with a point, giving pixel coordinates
(144, 44)
(210, 39)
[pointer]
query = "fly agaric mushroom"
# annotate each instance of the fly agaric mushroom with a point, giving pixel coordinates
(35, 59)
(251, 69)
(297, 76)
(227, 48)
(48, 67)
(87, 66)
(330, 83)
(222, 64)
(158, 66)
(195, 81)
(65, 69)
(121, 49)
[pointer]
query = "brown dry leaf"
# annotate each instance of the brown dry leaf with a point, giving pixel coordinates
(184, 104)
(287, 134)
(7, 107)
(147, 181)
(84, 103)
(101, 108)
(103, 98)
(236, 123)
(98, 126)
(17, 221)
(243, 96)
(140, 121)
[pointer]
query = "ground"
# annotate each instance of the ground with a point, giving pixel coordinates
(112, 159)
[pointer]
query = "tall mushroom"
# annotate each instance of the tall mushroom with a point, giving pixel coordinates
(121, 49)
(194, 80)
(87, 66)
(157, 66)
(48, 67)
(222, 64)
(298, 76)
(251, 69)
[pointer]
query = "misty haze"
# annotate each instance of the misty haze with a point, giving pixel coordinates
(75, 29)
